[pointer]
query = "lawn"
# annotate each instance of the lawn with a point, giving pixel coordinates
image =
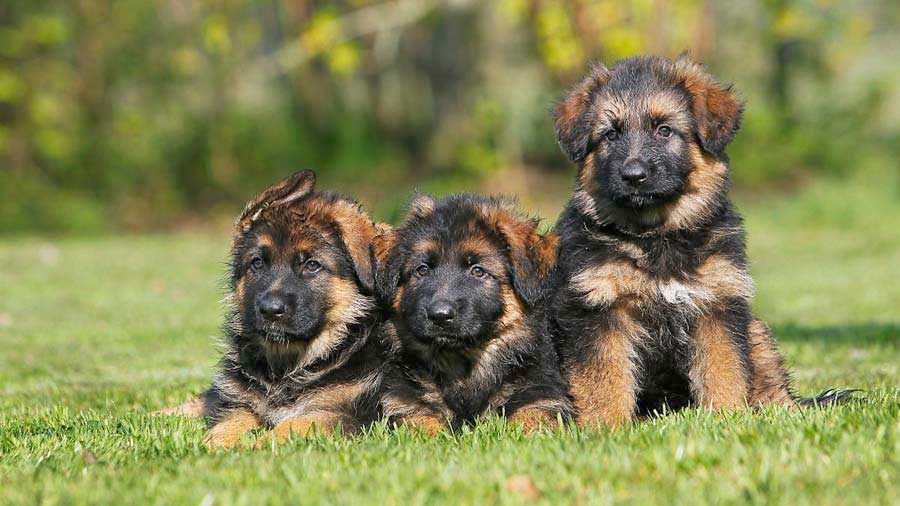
(97, 332)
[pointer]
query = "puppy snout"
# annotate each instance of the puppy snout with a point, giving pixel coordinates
(441, 312)
(274, 307)
(635, 171)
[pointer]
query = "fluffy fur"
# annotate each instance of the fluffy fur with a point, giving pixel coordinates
(651, 298)
(302, 349)
(462, 280)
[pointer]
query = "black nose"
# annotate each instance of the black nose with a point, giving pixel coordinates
(635, 171)
(273, 307)
(441, 312)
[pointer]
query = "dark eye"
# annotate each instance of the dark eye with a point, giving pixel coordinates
(422, 270)
(478, 271)
(257, 264)
(664, 131)
(611, 135)
(312, 266)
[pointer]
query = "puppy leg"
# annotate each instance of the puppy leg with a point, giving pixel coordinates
(429, 425)
(769, 381)
(193, 408)
(536, 417)
(604, 386)
(322, 423)
(717, 374)
(227, 433)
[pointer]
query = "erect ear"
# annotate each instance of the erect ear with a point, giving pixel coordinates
(357, 234)
(288, 190)
(716, 110)
(572, 117)
(387, 263)
(420, 206)
(531, 255)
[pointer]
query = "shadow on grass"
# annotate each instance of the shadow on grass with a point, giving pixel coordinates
(869, 333)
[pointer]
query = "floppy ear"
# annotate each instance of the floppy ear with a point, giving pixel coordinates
(288, 190)
(357, 234)
(531, 256)
(572, 117)
(387, 263)
(716, 110)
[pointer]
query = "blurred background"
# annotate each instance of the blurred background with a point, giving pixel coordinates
(135, 115)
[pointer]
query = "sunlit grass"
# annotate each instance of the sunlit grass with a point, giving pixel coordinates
(97, 332)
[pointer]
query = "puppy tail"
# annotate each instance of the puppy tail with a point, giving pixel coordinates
(830, 397)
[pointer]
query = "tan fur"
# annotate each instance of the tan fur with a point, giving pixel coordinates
(706, 181)
(716, 374)
(715, 108)
(610, 282)
(534, 418)
(228, 432)
(769, 382)
(568, 113)
(426, 424)
(305, 426)
(724, 279)
(192, 408)
(586, 174)
(421, 206)
(604, 389)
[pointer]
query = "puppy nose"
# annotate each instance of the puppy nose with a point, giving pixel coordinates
(273, 307)
(635, 171)
(441, 312)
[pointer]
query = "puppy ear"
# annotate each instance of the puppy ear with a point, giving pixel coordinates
(357, 234)
(288, 190)
(531, 256)
(572, 117)
(716, 110)
(386, 262)
(420, 206)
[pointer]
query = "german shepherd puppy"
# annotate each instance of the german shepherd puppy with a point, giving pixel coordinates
(462, 279)
(301, 349)
(651, 297)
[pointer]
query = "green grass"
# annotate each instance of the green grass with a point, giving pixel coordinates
(97, 332)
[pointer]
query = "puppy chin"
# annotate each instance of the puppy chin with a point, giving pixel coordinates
(289, 334)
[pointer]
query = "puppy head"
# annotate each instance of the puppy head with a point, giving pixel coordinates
(642, 130)
(300, 263)
(462, 269)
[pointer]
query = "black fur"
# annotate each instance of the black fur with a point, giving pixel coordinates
(273, 367)
(458, 369)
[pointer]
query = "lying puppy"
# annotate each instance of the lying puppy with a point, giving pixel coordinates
(302, 350)
(651, 297)
(462, 278)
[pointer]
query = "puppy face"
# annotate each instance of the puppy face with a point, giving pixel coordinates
(462, 268)
(300, 264)
(641, 130)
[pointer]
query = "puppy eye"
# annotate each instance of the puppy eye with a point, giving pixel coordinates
(312, 266)
(664, 131)
(611, 135)
(478, 271)
(257, 264)
(422, 270)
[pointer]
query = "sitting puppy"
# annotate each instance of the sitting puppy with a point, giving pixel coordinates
(651, 296)
(301, 349)
(462, 278)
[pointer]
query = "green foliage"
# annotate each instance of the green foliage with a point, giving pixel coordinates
(97, 332)
(137, 114)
